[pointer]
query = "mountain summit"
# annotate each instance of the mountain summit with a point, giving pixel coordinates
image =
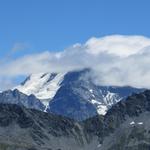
(74, 94)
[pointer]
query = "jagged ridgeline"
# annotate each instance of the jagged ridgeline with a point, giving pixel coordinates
(126, 126)
(29, 129)
(71, 94)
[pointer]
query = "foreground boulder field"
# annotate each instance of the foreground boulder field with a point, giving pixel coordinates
(126, 126)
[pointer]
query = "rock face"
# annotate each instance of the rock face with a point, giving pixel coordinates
(74, 94)
(16, 97)
(130, 123)
(80, 98)
(26, 129)
(126, 126)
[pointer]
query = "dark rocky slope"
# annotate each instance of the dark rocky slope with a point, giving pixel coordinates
(27, 129)
(126, 126)
(16, 97)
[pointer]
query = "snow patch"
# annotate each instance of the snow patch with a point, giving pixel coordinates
(42, 86)
(93, 101)
(102, 109)
(132, 123)
(110, 98)
(140, 123)
(91, 90)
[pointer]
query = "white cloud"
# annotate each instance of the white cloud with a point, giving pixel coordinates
(117, 44)
(117, 60)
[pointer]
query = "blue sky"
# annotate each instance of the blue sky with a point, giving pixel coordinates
(30, 28)
(39, 25)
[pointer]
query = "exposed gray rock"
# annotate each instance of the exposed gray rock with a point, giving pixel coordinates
(16, 97)
(79, 97)
(27, 129)
(126, 126)
(73, 94)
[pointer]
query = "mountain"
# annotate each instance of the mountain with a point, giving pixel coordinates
(126, 126)
(74, 94)
(29, 129)
(16, 97)
(43, 85)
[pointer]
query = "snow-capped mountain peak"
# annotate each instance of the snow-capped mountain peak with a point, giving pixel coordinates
(43, 85)
(73, 94)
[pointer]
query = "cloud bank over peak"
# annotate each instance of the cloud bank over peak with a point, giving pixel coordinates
(117, 60)
(118, 45)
